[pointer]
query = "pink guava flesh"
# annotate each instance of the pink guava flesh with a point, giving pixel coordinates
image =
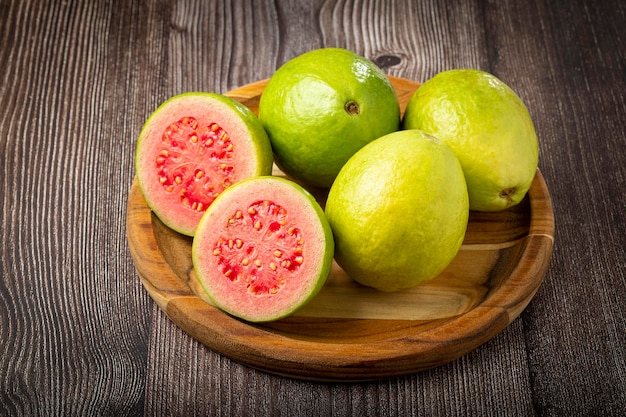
(195, 162)
(262, 250)
(190, 150)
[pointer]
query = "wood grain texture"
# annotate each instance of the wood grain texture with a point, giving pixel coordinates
(66, 157)
(79, 335)
(349, 332)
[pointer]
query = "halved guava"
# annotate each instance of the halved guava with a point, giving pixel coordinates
(263, 249)
(193, 147)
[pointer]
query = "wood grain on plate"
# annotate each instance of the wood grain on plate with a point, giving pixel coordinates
(349, 332)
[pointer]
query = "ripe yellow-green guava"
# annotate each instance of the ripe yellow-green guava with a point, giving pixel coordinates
(398, 211)
(489, 128)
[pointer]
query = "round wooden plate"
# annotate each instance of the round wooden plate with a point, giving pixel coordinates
(349, 332)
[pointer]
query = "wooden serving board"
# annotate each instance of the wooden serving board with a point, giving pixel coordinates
(349, 332)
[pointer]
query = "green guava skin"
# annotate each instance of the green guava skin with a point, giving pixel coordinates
(305, 108)
(398, 210)
(489, 128)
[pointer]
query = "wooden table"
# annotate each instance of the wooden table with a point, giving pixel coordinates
(80, 335)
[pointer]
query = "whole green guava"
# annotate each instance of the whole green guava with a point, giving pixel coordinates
(320, 107)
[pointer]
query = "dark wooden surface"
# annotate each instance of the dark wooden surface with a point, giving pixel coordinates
(80, 336)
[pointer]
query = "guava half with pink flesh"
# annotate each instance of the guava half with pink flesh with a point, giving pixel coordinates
(263, 249)
(193, 147)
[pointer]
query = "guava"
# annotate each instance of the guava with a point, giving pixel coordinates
(320, 107)
(398, 210)
(263, 249)
(193, 147)
(488, 127)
